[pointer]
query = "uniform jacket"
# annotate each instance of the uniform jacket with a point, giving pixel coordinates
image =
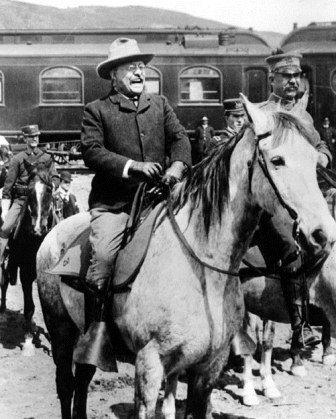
(272, 105)
(17, 173)
(219, 140)
(202, 137)
(328, 135)
(114, 131)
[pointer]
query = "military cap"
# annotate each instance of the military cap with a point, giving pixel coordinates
(284, 63)
(122, 50)
(233, 106)
(30, 130)
(66, 176)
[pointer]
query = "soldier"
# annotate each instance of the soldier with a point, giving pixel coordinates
(235, 117)
(328, 135)
(15, 191)
(203, 135)
(284, 76)
(65, 202)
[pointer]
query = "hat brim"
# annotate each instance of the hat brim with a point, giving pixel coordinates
(103, 69)
(32, 134)
(292, 69)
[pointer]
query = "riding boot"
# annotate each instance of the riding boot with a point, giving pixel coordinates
(95, 346)
(296, 296)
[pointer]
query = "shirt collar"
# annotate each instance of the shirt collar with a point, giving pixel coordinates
(284, 103)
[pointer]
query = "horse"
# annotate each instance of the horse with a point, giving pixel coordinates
(186, 303)
(264, 298)
(24, 243)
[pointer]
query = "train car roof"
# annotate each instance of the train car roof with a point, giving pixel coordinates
(100, 50)
(317, 38)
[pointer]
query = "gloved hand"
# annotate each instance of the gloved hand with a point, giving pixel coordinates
(5, 204)
(322, 160)
(145, 170)
(174, 173)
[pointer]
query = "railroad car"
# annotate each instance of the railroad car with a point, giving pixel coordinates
(317, 44)
(46, 78)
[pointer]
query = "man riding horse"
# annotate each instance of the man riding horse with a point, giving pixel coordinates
(281, 248)
(15, 191)
(128, 136)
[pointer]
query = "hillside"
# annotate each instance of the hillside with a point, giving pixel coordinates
(21, 15)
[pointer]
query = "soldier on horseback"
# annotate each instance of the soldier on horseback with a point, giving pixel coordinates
(128, 137)
(15, 191)
(288, 258)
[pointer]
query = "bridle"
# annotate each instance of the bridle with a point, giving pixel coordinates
(257, 157)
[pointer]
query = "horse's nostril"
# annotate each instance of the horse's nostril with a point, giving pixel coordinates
(320, 238)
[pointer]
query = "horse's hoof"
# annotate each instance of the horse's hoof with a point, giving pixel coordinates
(28, 348)
(251, 400)
(272, 393)
(299, 371)
(329, 359)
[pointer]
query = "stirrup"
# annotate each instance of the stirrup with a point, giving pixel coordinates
(299, 340)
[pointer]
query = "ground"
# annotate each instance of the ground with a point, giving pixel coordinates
(27, 384)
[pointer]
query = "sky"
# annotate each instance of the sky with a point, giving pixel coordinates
(261, 15)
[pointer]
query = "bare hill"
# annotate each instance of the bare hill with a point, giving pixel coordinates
(21, 15)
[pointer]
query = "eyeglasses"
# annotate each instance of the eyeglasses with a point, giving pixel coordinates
(133, 67)
(290, 75)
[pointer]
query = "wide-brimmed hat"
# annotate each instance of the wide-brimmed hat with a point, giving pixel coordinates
(121, 50)
(30, 130)
(233, 106)
(284, 63)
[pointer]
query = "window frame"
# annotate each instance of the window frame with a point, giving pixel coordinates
(333, 76)
(2, 83)
(159, 73)
(206, 103)
(59, 103)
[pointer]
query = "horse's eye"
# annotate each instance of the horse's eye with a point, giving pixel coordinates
(278, 161)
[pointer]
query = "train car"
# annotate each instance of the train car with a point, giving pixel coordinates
(46, 78)
(317, 44)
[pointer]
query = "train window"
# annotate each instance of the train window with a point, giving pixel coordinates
(153, 81)
(61, 85)
(333, 81)
(200, 85)
(1, 88)
(256, 84)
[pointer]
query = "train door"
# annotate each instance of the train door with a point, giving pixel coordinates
(256, 84)
(306, 85)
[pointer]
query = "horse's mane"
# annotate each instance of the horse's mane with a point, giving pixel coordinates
(207, 183)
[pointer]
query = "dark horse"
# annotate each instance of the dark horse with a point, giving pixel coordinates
(24, 244)
(181, 314)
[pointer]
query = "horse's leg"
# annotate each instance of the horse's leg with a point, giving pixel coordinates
(328, 357)
(28, 311)
(297, 368)
(4, 287)
(269, 387)
(83, 376)
(198, 398)
(168, 407)
(149, 374)
(250, 397)
(251, 326)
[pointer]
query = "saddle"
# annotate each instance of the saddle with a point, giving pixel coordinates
(74, 263)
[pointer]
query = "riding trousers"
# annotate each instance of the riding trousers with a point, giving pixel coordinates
(107, 230)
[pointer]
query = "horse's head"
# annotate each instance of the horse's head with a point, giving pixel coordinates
(40, 195)
(285, 163)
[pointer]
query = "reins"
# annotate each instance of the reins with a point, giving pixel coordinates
(257, 156)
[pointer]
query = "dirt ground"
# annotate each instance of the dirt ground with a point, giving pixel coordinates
(27, 384)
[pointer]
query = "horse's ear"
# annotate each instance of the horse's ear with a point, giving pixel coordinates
(262, 121)
(301, 105)
(29, 167)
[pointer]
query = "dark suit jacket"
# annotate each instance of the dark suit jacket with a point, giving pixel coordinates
(114, 131)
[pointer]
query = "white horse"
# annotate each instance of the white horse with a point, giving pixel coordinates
(264, 298)
(180, 314)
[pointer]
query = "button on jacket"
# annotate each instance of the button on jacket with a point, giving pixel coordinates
(114, 130)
